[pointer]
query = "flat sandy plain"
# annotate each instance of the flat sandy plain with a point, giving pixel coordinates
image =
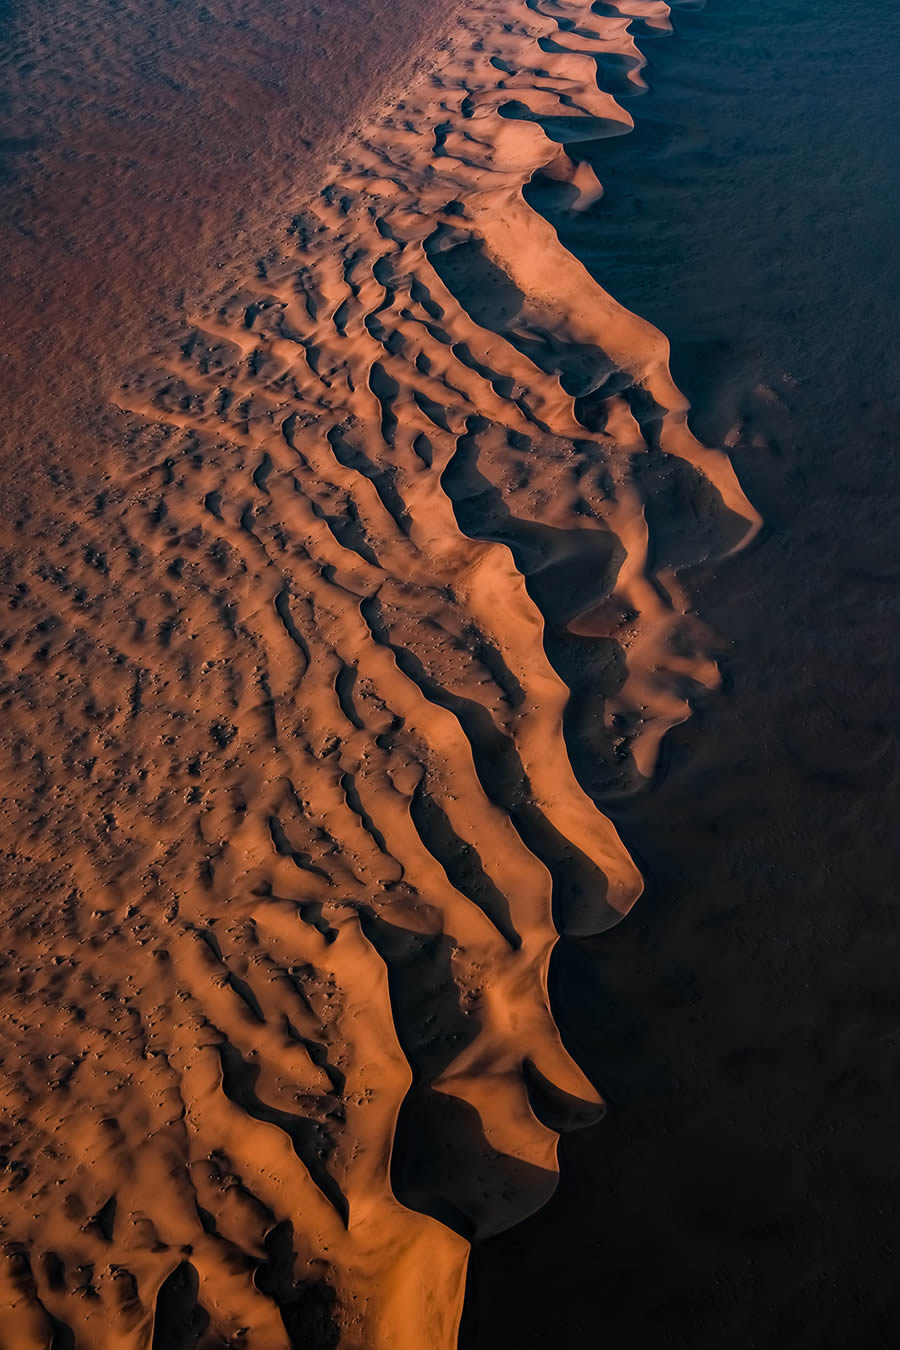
(376, 616)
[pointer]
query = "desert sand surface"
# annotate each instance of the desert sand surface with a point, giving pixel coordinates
(742, 1023)
(293, 822)
(149, 149)
(352, 552)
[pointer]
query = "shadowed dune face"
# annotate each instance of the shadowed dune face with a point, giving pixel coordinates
(293, 826)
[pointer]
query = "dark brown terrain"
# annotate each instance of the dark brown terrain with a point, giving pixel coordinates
(744, 1022)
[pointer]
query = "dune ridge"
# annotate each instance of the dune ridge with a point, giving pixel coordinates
(294, 825)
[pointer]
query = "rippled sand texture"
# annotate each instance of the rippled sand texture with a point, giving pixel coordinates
(293, 826)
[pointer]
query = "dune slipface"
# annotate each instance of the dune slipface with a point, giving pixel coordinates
(293, 827)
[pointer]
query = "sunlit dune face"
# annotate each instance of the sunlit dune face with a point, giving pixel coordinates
(286, 739)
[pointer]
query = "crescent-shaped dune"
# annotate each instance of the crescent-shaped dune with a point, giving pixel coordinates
(294, 820)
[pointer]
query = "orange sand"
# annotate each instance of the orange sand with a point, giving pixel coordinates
(290, 820)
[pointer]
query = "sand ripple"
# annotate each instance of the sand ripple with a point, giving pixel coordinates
(294, 824)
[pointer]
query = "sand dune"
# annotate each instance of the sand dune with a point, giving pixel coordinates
(292, 825)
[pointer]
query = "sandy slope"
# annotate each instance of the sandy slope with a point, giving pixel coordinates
(291, 823)
(742, 1024)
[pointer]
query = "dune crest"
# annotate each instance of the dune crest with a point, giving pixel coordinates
(288, 744)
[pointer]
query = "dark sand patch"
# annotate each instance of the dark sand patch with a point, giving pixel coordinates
(742, 1023)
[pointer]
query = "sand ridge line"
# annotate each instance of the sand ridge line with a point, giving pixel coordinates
(303, 781)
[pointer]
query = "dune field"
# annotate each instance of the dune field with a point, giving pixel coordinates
(742, 1023)
(291, 663)
(291, 822)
